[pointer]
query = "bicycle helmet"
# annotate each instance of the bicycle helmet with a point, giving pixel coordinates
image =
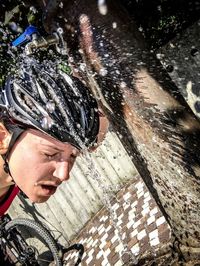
(54, 103)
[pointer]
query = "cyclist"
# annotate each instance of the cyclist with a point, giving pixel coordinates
(46, 120)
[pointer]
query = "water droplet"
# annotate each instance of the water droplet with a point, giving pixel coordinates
(114, 25)
(47, 122)
(50, 106)
(103, 72)
(103, 9)
(123, 85)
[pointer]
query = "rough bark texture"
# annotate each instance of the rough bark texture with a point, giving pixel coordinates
(145, 108)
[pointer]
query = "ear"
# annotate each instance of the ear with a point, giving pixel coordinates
(5, 138)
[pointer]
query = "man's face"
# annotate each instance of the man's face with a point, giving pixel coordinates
(39, 164)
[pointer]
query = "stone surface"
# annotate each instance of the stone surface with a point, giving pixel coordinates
(143, 232)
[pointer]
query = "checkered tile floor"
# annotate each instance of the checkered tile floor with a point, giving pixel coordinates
(142, 225)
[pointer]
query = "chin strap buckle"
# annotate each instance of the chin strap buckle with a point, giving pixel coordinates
(6, 168)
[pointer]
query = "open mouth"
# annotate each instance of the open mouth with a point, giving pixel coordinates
(48, 189)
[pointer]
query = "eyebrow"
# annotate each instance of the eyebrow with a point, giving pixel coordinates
(52, 147)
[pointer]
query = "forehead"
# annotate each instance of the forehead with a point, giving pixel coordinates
(37, 137)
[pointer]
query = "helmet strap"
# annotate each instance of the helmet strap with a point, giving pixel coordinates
(6, 168)
(16, 132)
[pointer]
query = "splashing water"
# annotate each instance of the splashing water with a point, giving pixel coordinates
(103, 9)
(26, 66)
(107, 203)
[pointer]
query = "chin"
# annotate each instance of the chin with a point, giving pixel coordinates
(38, 199)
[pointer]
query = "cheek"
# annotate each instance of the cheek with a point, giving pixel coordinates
(24, 169)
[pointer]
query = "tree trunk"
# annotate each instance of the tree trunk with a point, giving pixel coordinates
(144, 106)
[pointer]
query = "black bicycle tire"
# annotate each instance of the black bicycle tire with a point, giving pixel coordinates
(42, 232)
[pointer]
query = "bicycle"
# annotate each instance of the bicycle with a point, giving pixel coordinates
(20, 241)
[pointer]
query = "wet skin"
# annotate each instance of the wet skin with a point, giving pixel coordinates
(39, 164)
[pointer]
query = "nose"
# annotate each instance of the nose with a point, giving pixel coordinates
(62, 170)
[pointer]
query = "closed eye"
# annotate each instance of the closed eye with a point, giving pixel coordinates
(50, 156)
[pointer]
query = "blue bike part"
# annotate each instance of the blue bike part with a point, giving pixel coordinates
(25, 36)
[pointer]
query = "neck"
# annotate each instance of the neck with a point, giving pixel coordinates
(5, 179)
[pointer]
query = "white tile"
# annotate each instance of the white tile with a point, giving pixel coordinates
(134, 233)
(124, 235)
(103, 218)
(83, 241)
(130, 224)
(146, 194)
(125, 205)
(119, 248)
(139, 185)
(100, 227)
(119, 222)
(84, 255)
(135, 249)
(88, 260)
(108, 228)
(151, 219)
(95, 242)
(115, 237)
(119, 263)
(155, 242)
(89, 243)
(107, 252)
(104, 237)
(134, 204)
(141, 234)
(99, 254)
(90, 252)
(104, 262)
(153, 234)
(154, 211)
(139, 195)
(131, 217)
(132, 212)
(102, 245)
(92, 230)
(127, 195)
(121, 216)
(145, 211)
(102, 230)
(136, 224)
(89, 239)
(160, 220)
(141, 190)
(145, 205)
(147, 199)
(115, 206)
